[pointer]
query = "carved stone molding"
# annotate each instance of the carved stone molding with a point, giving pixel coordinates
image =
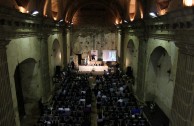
(43, 37)
(18, 25)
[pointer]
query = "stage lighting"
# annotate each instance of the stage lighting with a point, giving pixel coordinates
(35, 13)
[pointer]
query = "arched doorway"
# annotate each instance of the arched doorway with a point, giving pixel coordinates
(26, 86)
(56, 57)
(129, 61)
(159, 85)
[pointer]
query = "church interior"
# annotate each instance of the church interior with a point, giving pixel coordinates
(54, 71)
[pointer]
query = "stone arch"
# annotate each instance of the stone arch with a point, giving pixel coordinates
(25, 77)
(56, 55)
(130, 53)
(159, 85)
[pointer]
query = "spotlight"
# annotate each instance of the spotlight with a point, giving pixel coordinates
(35, 13)
(153, 15)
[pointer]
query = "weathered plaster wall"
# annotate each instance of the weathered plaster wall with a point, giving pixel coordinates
(17, 51)
(159, 83)
(90, 38)
(131, 55)
(52, 55)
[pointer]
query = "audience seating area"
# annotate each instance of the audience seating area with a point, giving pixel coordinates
(116, 103)
(71, 104)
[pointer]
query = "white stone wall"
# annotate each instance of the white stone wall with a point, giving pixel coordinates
(51, 57)
(131, 59)
(160, 85)
(90, 38)
(19, 50)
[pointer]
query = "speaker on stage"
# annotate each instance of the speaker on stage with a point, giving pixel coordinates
(79, 58)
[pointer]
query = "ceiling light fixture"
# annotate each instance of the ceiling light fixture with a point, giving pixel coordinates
(61, 20)
(153, 15)
(35, 13)
(125, 21)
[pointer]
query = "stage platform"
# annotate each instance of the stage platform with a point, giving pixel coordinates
(92, 68)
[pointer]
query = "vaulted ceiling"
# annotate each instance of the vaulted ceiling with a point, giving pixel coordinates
(66, 9)
(116, 7)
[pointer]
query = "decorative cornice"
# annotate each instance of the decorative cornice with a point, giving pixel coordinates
(43, 36)
(18, 25)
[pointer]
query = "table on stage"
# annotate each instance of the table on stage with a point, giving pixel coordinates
(93, 68)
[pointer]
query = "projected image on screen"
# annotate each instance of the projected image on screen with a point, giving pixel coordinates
(109, 55)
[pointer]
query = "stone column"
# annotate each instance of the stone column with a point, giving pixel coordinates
(183, 100)
(65, 48)
(44, 67)
(122, 48)
(141, 68)
(6, 103)
(69, 44)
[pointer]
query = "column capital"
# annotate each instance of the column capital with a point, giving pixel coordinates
(43, 36)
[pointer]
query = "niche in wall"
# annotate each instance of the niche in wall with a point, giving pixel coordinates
(159, 86)
(56, 55)
(26, 87)
(130, 53)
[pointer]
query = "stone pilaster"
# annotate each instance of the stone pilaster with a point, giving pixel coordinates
(141, 68)
(6, 103)
(44, 66)
(182, 107)
(122, 48)
(65, 48)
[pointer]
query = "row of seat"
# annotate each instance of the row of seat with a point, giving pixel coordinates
(71, 104)
(116, 104)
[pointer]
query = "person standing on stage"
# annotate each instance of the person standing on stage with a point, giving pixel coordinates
(72, 65)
